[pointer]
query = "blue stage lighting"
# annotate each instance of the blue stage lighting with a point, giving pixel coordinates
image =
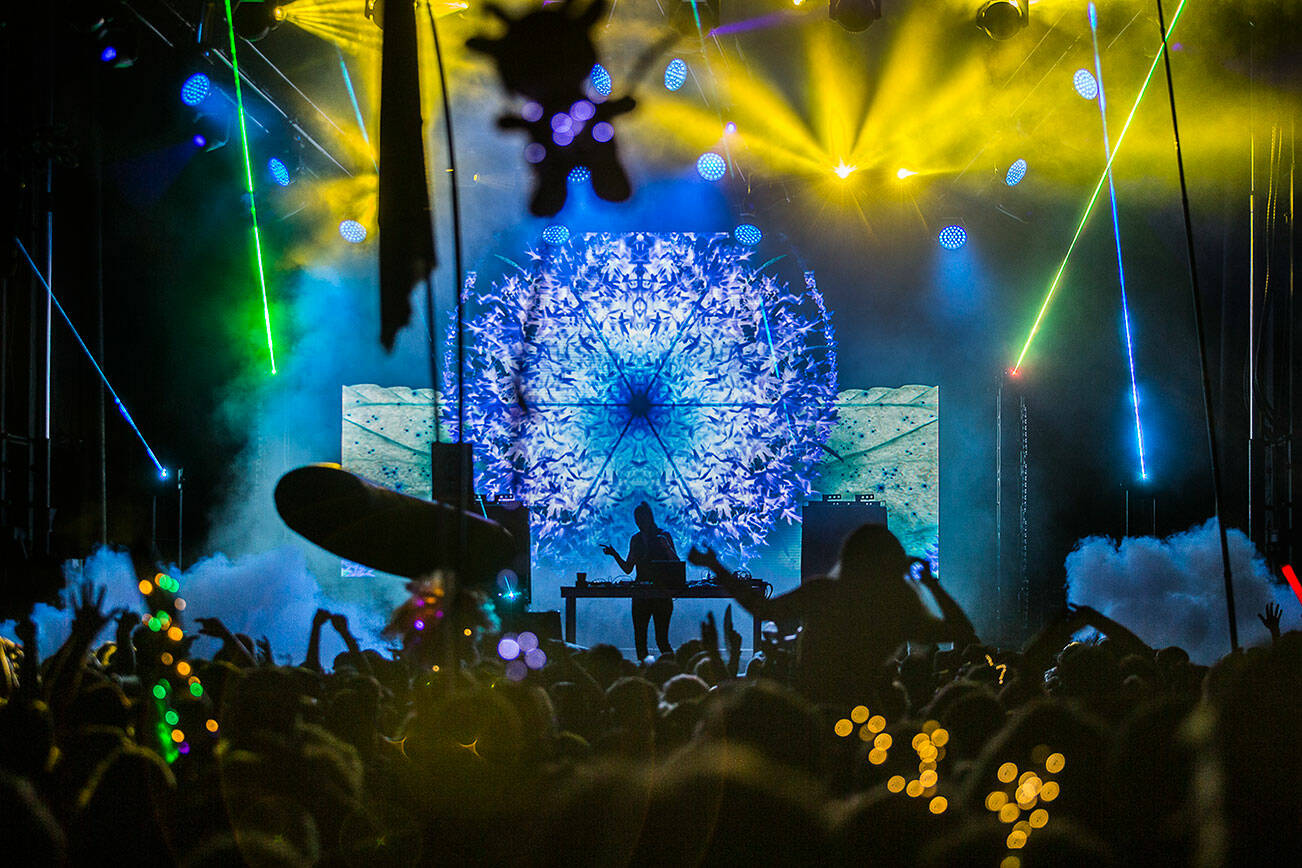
(352, 231)
(676, 73)
(952, 237)
(195, 89)
(1085, 83)
(748, 234)
(579, 175)
(711, 166)
(1016, 172)
(200, 140)
(600, 79)
(109, 54)
(556, 234)
(279, 171)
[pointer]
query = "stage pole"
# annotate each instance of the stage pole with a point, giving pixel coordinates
(1202, 341)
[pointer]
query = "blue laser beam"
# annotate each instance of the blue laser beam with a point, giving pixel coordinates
(122, 408)
(1089, 205)
(1116, 234)
(357, 109)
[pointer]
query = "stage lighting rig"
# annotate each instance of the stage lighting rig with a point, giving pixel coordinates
(254, 19)
(374, 11)
(117, 43)
(854, 15)
(1003, 19)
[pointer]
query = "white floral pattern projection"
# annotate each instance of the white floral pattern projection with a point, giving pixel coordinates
(618, 368)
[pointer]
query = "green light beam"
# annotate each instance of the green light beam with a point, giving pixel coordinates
(248, 183)
(1094, 197)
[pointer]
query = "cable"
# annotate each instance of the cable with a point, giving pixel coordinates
(1202, 338)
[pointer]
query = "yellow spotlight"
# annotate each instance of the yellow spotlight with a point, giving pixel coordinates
(842, 170)
(278, 13)
(904, 173)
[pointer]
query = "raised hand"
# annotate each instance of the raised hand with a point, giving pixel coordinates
(320, 618)
(710, 634)
(733, 638)
(704, 558)
(609, 550)
(1271, 619)
(88, 616)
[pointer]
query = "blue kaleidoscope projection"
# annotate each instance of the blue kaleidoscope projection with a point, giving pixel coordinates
(621, 368)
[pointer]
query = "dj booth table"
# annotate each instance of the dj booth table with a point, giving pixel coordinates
(631, 591)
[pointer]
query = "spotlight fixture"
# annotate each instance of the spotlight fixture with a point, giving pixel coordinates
(711, 166)
(854, 15)
(843, 170)
(196, 89)
(254, 19)
(1016, 172)
(676, 74)
(904, 173)
(117, 44)
(748, 234)
(952, 237)
(352, 231)
(1003, 19)
(374, 11)
(556, 234)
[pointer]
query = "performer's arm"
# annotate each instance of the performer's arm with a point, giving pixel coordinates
(625, 564)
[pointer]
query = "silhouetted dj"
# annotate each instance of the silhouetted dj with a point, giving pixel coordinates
(650, 543)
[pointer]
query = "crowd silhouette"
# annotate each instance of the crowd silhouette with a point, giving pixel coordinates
(863, 742)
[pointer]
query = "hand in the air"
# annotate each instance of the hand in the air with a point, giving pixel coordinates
(703, 558)
(1271, 619)
(608, 550)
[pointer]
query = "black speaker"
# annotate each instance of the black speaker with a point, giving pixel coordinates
(824, 525)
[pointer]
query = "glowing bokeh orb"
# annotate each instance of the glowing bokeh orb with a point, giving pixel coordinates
(534, 152)
(352, 231)
(579, 175)
(711, 166)
(109, 54)
(600, 79)
(1016, 172)
(279, 171)
(556, 234)
(602, 131)
(1085, 83)
(195, 89)
(676, 73)
(661, 367)
(532, 111)
(952, 237)
(508, 648)
(199, 141)
(748, 234)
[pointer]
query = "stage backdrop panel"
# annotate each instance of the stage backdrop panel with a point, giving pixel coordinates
(387, 432)
(887, 444)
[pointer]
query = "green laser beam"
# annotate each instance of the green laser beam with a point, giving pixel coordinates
(1094, 197)
(248, 184)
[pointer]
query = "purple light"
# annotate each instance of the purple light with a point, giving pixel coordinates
(508, 648)
(603, 132)
(532, 111)
(418, 624)
(730, 128)
(534, 152)
(109, 54)
(516, 670)
(582, 110)
(184, 747)
(562, 138)
(561, 122)
(535, 659)
(199, 140)
(528, 641)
